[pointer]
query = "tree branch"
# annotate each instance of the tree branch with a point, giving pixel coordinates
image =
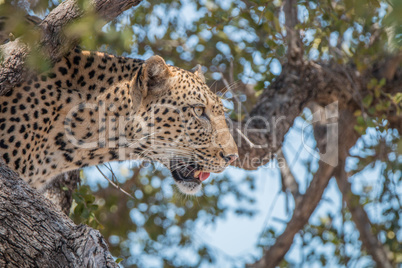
(288, 180)
(303, 210)
(34, 233)
(292, 91)
(53, 41)
(310, 199)
(281, 103)
(363, 224)
(295, 48)
(359, 216)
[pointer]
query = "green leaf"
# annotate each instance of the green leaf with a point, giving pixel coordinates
(360, 120)
(397, 98)
(368, 100)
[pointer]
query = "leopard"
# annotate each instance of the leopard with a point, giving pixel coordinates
(93, 107)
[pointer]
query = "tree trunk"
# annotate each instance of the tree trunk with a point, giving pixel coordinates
(35, 233)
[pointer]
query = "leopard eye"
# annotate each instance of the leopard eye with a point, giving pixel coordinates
(199, 111)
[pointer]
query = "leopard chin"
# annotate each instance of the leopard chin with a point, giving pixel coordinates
(189, 187)
(188, 177)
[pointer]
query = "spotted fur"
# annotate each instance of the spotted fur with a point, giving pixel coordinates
(94, 107)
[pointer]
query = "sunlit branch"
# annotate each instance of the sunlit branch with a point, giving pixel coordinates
(288, 180)
(302, 212)
(359, 216)
(309, 201)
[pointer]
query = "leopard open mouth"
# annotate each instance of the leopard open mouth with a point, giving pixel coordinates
(187, 175)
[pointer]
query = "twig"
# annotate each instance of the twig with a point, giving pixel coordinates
(269, 215)
(115, 185)
(250, 143)
(288, 180)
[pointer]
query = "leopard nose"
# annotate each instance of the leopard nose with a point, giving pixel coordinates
(231, 158)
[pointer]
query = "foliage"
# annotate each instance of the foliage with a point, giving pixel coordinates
(243, 39)
(84, 207)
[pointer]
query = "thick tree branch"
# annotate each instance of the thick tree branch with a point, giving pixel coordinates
(281, 103)
(52, 26)
(261, 135)
(53, 41)
(34, 233)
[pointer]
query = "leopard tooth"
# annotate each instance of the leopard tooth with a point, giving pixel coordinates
(197, 173)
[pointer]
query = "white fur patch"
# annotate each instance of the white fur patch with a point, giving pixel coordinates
(188, 187)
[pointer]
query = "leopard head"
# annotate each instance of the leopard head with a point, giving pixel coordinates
(182, 124)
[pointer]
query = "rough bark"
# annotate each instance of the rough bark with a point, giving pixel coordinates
(35, 233)
(60, 190)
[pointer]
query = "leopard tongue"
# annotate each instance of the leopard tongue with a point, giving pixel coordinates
(203, 176)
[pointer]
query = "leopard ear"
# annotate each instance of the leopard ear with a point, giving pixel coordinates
(197, 70)
(156, 75)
